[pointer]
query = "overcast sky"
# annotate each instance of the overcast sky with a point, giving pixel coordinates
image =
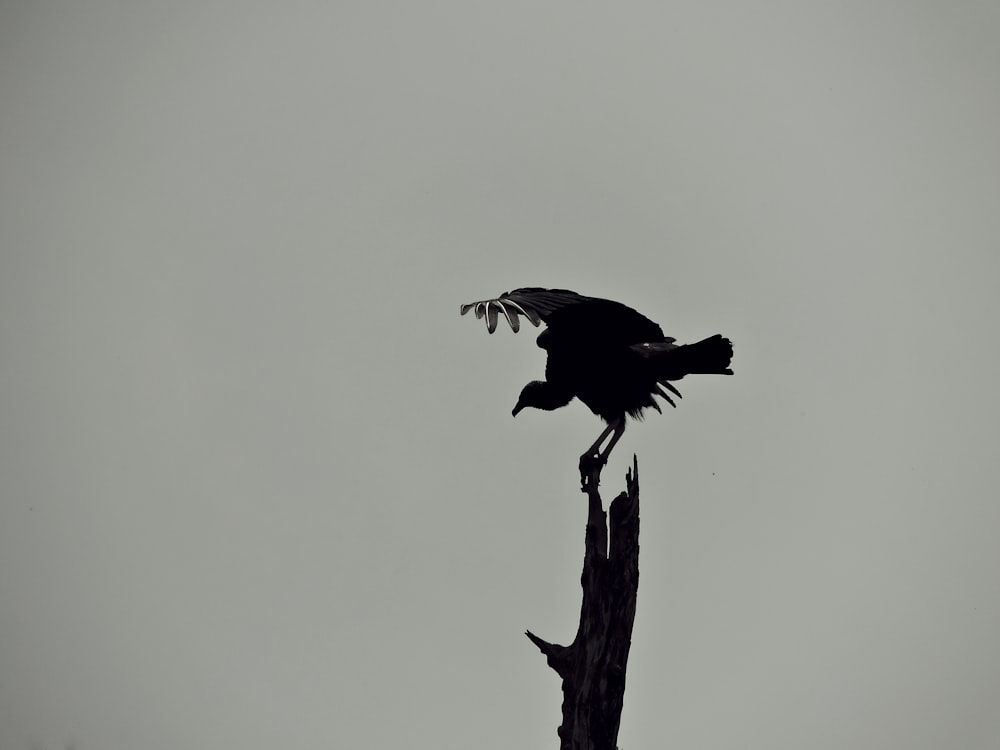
(259, 482)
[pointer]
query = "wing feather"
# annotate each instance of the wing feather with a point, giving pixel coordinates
(534, 303)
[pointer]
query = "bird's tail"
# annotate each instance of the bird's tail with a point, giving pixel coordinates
(711, 356)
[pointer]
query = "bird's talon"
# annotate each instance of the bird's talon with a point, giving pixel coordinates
(590, 463)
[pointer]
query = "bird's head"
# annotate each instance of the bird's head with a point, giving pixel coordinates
(539, 394)
(530, 396)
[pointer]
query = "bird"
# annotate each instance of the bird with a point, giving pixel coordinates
(609, 356)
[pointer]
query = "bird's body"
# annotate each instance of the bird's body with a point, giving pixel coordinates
(604, 353)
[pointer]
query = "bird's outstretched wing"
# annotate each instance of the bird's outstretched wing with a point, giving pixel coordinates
(573, 321)
(534, 303)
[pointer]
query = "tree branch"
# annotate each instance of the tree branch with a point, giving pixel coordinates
(592, 668)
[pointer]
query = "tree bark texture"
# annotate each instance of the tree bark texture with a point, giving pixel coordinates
(592, 667)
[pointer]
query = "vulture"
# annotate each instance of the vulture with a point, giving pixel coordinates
(612, 358)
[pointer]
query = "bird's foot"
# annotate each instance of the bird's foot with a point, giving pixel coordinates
(590, 469)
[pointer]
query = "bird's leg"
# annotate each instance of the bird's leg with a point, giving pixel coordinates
(595, 449)
(594, 458)
(619, 428)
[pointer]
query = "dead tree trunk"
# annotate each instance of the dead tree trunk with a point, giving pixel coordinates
(592, 668)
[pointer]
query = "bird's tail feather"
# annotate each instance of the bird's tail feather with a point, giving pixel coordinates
(711, 356)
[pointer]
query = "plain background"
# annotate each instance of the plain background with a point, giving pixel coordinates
(260, 483)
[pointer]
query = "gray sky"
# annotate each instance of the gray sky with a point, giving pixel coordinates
(260, 483)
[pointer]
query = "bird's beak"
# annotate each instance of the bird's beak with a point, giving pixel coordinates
(517, 407)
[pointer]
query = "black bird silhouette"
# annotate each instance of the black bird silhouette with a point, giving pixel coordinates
(606, 354)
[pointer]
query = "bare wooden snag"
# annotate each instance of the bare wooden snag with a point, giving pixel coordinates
(592, 667)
